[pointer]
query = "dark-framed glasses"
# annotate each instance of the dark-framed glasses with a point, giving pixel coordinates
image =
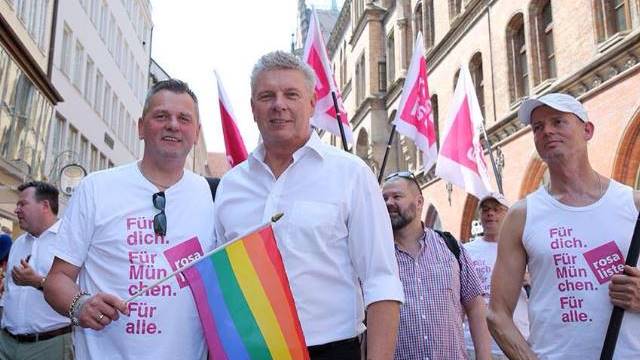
(405, 175)
(160, 220)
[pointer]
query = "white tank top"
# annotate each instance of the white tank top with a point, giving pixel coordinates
(572, 254)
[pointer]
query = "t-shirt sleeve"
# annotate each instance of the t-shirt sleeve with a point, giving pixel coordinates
(470, 285)
(76, 228)
(371, 242)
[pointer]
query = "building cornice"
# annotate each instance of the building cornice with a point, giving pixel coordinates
(371, 12)
(337, 33)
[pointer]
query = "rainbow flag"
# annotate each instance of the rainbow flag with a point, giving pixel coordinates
(245, 303)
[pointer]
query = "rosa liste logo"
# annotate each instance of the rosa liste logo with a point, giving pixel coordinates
(181, 255)
(605, 261)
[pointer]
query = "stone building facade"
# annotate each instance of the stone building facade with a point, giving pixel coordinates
(514, 49)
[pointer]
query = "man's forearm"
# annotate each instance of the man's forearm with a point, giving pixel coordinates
(476, 314)
(59, 291)
(508, 337)
(383, 318)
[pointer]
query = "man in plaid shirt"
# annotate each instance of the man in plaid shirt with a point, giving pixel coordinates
(439, 289)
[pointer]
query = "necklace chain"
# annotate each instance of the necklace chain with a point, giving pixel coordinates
(161, 186)
(600, 186)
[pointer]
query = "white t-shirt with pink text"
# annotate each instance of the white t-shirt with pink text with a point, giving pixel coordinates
(483, 255)
(572, 254)
(107, 231)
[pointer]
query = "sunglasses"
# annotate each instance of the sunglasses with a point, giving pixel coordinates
(160, 220)
(405, 175)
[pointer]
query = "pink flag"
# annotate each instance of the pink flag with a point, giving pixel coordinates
(233, 144)
(414, 118)
(461, 158)
(315, 55)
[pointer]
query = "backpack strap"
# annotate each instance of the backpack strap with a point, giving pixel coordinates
(452, 244)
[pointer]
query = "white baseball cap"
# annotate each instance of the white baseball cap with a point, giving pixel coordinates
(561, 102)
(497, 197)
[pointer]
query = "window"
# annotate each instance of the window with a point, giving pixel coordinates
(104, 15)
(125, 59)
(475, 68)
(84, 149)
(429, 29)
(72, 140)
(455, 8)
(57, 138)
(358, 10)
(612, 17)
(517, 53)
(544, 50)
(97, 103)
(114, 112)
(112, 34)
(65, 60)
(119, 48)
(417, 22)
(343, 66)
(94, 158)
(121, 125)
(434, 111)
(391, 59)
(360, 80)
(106, 105)
(103, 162)
(89, 78)
(78, 64)
(382, 76)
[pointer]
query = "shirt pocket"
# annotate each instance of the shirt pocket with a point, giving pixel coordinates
(312, 226)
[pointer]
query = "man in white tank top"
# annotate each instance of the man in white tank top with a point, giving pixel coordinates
(573, 235)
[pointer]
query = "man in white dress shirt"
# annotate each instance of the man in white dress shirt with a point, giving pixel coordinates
(335, 236)
(31, 329)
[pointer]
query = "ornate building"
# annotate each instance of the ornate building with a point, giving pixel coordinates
(27, 96)
(514, 49)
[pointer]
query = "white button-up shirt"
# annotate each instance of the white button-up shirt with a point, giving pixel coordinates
(335, 237)
(25, 310)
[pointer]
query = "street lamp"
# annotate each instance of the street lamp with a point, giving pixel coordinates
(66, 173)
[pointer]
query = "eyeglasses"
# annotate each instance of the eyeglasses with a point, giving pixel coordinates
(160, 220)
(405, 175)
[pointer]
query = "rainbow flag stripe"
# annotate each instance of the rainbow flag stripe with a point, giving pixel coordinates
(245, 303)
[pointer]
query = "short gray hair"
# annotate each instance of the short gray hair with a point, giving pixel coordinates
(282, 60)
(175, 86)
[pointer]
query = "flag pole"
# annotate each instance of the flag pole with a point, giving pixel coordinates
(273, 219)
(613, 330)
(386, 154)
(342, 135)
(493, 161)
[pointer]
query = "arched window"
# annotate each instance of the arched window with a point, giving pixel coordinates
(434, 111)
(417, 19)
(429, 28)
(544, 49)
(362, 144)
(612, 17)
(475, 68)
(517, 53)
(360, 80)
(391, 58)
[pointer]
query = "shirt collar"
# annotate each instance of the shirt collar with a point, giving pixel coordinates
(52, 229)
(313, 144)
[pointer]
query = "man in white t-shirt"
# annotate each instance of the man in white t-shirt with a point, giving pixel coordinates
(127, 227)
(572, 235)
(483, 252)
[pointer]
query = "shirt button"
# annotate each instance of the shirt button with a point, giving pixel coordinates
(421, 298)
(425, 337)
(424, 317)
(418, 280)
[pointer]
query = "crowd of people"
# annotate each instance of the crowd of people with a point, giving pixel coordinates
(541, 280)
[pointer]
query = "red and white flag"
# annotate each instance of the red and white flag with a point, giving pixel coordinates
(461, 158)
(315, 54)
(414, 118)
(233, 143)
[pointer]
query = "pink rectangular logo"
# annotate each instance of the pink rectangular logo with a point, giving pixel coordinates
(181, 255)
(605, 261)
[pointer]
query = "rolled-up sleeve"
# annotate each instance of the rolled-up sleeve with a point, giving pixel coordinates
(371, 241)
